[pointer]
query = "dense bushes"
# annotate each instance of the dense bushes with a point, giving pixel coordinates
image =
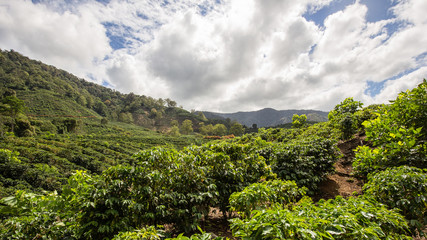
(401, 187)
(265, 194)
(263, 176)
(306, 162)
(168, 186)
(101, 147)
(353, 218)
(399, 134)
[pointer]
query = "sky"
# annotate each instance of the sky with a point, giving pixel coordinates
(229, 55)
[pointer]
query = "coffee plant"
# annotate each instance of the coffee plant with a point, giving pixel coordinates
(265, 194)
(399, 134)
(401, 187)
(339, 218)
(307, 161)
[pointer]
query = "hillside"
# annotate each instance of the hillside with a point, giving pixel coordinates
(268, 117)
(51, 92)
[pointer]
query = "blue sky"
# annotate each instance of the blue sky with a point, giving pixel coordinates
(224, 55)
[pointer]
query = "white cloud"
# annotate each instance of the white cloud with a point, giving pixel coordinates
(70, 41)
(394, 87)
(236, 55)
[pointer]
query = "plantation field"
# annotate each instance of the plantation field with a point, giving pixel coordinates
(115, 181)
(47, 160)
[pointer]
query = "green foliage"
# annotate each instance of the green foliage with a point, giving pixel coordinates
(263, 195)
(146, 233)
(219, 129)
(187, 127)
(299, 121)
(344, 117)
(12, 106)
(353, 218)
(231, 167)
(32, 216)
(236, 129)
(48, 91)
(101, 147)
(7, 156)
(399, 134)
(206, 129)
(307, 161)
(174, 131)
(198, 236)
(401, 187)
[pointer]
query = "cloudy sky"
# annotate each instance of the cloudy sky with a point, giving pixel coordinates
(229, 55)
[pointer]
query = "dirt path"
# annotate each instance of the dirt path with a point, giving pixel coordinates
(342, 182)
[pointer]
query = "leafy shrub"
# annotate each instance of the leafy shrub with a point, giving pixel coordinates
(265, 194)
(399, 134)
(339, 218)
(344, 118)
(146, 233)
(305, 161)
(32, 216)
(231, 166)
(401, 187)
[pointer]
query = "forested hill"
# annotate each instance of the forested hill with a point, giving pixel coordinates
(268, 117)
(48, 91)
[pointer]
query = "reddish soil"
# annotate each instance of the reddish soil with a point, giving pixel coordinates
(342, 182)
(217, 224)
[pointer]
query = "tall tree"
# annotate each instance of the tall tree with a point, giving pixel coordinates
(187, 126)
(236, 128)
(12, 106)
(220, 129)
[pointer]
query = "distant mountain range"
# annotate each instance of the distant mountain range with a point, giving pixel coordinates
(268, 117)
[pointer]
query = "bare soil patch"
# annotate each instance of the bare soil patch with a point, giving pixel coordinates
(342, 182)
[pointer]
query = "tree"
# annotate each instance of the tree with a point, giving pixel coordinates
(170, 103)
(174, 123)
(236, 128)
(101, 109)
(220, 129)
(206, 130)
(126, 117)
(299, 121)
(12, 106)
(174, 131)
(81, 100)
(187, 127)
(343, 117)
(202, 116)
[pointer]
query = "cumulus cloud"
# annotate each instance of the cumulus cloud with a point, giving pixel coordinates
(226, 55)
(71, 41)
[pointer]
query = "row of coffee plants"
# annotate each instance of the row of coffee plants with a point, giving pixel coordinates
(47, 160)
(263, 176)
(339, 218)
(165, 186)
(394, 166)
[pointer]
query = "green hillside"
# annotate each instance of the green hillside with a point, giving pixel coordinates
(63, 123)
(51, 92)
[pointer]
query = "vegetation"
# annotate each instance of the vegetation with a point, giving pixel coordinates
(398, 133)
(108, 177)
(353, 218)
(404, 188)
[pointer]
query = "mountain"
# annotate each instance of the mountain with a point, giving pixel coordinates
(268, 117)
